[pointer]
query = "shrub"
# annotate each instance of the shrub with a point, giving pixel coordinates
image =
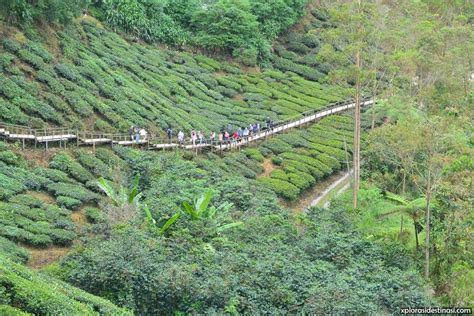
(9, 187)
(93, 214)
(276, 160)
(32, 59)
(43, 295)
(62, 237)
(279, 174)
(13, 252)
(73, 191)
(10, 158)
(277, 146)
(11, 45)
(301, 180)
(68, 202)
(40, 51)
(92, 163)
(254, 154)
(53, 175)
(65, 163)
(27, 200)
(281, 188)
(329, 161)
(67, 72)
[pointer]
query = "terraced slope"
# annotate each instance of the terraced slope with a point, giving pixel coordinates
(95, 79)
(24, 292)
(305, 157)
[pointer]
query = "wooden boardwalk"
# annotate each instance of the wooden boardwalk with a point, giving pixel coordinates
(62, 136)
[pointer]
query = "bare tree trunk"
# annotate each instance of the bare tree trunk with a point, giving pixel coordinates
(356, 157)
(404, 180)
(374, 93)
(401, 227)
(416, 238)
(427, 224)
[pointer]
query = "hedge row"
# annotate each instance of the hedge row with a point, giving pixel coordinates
(24, 291)
(122, 84)
(305, 157)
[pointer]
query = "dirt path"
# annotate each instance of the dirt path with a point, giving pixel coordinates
(308, 197)
(336, 188)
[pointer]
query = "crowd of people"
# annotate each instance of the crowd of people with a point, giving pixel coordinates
(225, 136)
(137, 134)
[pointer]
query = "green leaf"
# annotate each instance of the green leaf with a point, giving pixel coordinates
(396, 198)
(149, 217)
(105, 186)
(203, 202)
(169, 222)
(190, 210)
(228, 226)
(134, 190)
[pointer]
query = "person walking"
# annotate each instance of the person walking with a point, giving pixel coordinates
(220, 137)
(212, 138)
(201, 137)
(143, 134)
(181, 138)
(235, 137)
(269, 122)
(226, 136)
(193, 137)
(169, 132)
(246, 133)
(131, 132)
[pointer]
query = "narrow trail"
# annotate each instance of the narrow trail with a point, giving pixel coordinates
(341, 184)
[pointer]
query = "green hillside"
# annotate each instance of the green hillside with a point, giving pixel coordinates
(93, 79)
(121, 230)
(23, 292)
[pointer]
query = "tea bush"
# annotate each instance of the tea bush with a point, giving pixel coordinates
(65, 163)
(35, 293)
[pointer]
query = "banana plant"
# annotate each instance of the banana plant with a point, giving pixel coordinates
(200, 209)
(414, 209)
(122, 196)
(150, 220)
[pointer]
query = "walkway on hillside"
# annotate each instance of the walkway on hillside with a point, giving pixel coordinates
(64, 135)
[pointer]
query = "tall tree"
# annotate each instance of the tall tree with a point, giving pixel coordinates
(347, 50)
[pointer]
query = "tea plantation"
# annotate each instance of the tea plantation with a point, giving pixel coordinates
(307, 156)
(119, 229)
(94, 79)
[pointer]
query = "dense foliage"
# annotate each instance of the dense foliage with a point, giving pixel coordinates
(24, 12)
(23, 292)
(306, 157)
(182, 232)
(99, 81)
(265, 266)
(244, 28)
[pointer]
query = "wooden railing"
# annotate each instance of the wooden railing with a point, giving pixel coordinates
(64, 134)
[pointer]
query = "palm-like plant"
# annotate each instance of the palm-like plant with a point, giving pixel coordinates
(123, 195)
(200, 209)
(413, 209)
(151, 221)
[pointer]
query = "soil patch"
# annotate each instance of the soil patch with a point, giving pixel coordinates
(42, 196)
(268, 167)
(79, 217)
(40, 257)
